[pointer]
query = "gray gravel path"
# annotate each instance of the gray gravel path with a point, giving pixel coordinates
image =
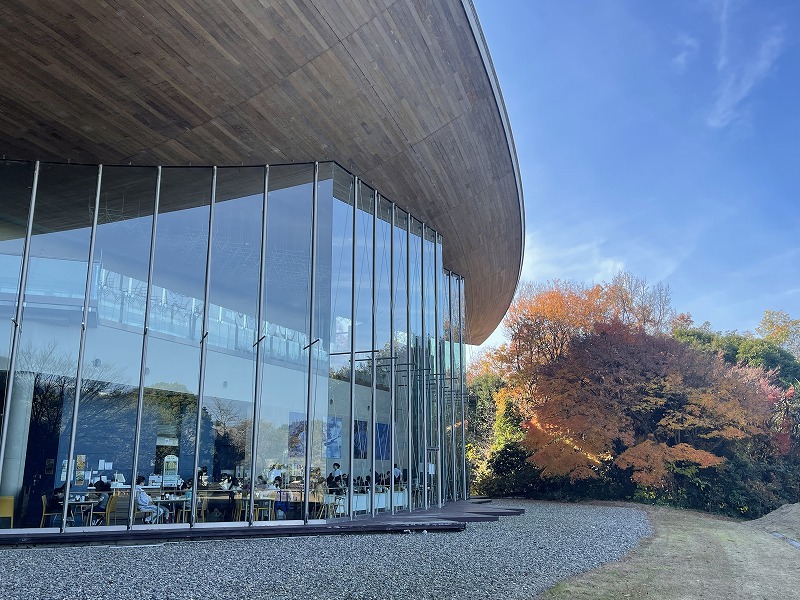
(517, 557)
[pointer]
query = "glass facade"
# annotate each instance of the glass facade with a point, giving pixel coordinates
(192, 346)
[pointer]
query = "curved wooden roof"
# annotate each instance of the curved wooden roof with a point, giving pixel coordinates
(401, 92)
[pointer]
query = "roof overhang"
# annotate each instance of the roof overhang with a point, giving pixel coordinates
(402, 93)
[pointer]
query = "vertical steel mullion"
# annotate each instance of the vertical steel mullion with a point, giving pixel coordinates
(203, 344)
(374, 381)
(143, 364)
(451, 379)
(81, 346)
(258, 345)
(23, 281)
(408, 362)
(311, 341)
(465, 487)
(424, 370)
(439, 368)
(392, 364)
(356, 198)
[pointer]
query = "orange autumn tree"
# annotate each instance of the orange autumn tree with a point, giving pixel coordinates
(624, 398)
(541, 323)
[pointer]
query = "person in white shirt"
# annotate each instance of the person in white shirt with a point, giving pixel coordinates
(274, 472)
(145, 503)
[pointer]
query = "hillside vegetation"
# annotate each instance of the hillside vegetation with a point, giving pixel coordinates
(605, 392)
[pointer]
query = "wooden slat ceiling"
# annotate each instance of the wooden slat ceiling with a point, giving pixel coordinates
(396, 91)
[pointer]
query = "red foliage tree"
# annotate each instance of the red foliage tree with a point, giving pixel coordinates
(642, 402)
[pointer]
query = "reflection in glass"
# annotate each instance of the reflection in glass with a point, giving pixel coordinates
(333, 317)
(229, 378)
(402, 448)
(43, 388)
(284, 336)
(15, 199)
(172, 373)
(385, 392)
(104, 436)
(382, 471)
(363, 404)
(431, 372)
(418, 450)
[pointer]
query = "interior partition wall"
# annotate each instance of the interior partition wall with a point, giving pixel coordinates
(242, 345)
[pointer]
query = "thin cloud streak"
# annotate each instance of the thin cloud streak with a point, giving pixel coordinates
(736, 83)
(722, 49)
(689, 48)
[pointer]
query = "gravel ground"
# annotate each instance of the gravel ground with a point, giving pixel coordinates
(517, 557)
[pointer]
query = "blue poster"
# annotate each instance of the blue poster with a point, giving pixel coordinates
(333, 438)
(297, 435)
(382, 441)
(359, 439)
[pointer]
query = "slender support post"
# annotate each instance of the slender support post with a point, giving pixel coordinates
(311, 333)
(203, 347)
(81, 347)
(259, 350)
(143, 364)
(23, 279)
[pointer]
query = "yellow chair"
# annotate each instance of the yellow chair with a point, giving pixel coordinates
(111, 509)
(45, 513)
(118, 515)
(186, 512)
(7, 508)
(262, 507)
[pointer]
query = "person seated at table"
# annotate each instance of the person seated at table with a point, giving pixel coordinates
(317, 485)
(55, 503)
(145, 503)
(261, 483)
(336, 485)
(102, 493)
(277, 483)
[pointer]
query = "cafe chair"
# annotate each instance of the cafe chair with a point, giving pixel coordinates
(121, 507)
(111, 509)
(264, 507)
(7, 509)
(202, 508)
(45, 513)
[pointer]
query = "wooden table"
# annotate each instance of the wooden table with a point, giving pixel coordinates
(83, 503)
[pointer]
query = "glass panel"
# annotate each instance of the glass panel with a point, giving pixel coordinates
(364, 404)
(333, 317)
(225, 447)
(172, 375)
(383, 357)
(104, 436)
(446, 405)
(461, 369)
(43, 394)
(457, 396)
(418, 451)
(402, 364)
(15, 199)
(431, 372)
(285, 327)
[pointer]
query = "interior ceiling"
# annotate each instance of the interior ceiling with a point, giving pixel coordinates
(395, 91)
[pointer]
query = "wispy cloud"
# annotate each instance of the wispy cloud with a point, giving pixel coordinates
(557, 259)
(737, 81)
(687, 51)
(722, 49)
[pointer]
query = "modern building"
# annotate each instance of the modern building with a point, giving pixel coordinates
(243, 245)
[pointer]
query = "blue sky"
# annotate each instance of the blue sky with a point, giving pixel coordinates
(661, 138)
